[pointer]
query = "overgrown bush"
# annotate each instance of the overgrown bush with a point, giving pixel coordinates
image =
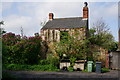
(105, 70)
(44, 62)
(10, 39)
(70, 69)
(53, 60)
(22, 51)
(72, 46)
(18, 67)
(72, 60)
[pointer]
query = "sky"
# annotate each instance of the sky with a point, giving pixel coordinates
(30, 14)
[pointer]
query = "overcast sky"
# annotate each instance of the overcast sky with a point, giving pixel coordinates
(29, 15)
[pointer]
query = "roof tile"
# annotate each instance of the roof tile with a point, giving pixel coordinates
(62, 23)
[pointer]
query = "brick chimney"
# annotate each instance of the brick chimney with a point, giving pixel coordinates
(51, 16)
(85, 11)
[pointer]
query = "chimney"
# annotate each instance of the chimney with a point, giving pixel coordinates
(51, 16)
(85, 11)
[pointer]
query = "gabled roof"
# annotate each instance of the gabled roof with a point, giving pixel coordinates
(62, 23)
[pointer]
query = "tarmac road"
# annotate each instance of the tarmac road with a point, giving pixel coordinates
(40, 75)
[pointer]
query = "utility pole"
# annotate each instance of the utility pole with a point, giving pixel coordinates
(21, 29)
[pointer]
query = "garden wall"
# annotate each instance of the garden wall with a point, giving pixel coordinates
(114, 58)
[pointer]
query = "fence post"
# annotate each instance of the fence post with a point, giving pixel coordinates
(107, 59)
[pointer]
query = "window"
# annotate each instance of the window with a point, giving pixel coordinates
(54, 37)
(64, 35)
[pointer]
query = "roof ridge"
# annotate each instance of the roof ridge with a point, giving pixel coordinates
(68, 18)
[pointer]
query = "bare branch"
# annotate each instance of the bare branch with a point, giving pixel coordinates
(101, 27)
(42, 23)
(2, 23)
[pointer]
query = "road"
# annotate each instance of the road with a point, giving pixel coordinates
(112, 75)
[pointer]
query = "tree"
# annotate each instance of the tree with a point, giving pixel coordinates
(42, 23)
(36, 34)
(2, 31)
(23, 51)
(2, 23)
(10, 39)
(72, 47)
(101, 27)
(100, 35)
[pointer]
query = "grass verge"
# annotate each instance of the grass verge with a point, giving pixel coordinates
(19, 67)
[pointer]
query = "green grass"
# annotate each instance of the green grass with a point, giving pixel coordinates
(105, 70)
(85, 70)
(70, 69)
(19, 67)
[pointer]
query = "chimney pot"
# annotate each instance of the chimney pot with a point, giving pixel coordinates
(51, 16)
(85, 11)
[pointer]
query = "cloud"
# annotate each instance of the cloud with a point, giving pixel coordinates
(3, 7)
(59, 0)
(113, 10)
(41, 10)
(109, 12)
(6, 5)
(0, 11)
(14, 22)
(32, 13)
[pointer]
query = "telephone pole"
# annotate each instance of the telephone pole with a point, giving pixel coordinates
(21, 29)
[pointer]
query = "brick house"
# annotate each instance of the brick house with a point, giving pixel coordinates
(55, 26)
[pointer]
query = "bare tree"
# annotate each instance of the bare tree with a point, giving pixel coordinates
(2, 23)
(102, 36)
(101, 27)
(42, 23)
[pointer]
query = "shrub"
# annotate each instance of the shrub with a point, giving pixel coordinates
(105, 70)
(44, 62)
(85, 70)
(30, 67)
(5, 53)
(54, 61)
(10, 39)
(72, 60)
(22, 51)
(70, 69)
